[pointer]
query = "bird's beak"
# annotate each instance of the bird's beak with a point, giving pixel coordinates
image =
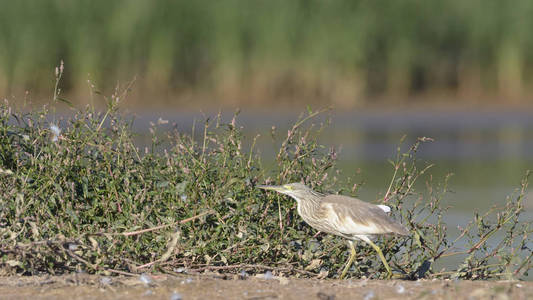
(277, 188)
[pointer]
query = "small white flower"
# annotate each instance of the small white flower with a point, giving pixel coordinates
(56, 132)
(55, 129)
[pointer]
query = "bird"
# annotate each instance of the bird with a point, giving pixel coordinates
(344, 216)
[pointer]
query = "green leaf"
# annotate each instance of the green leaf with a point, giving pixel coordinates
(65, 101)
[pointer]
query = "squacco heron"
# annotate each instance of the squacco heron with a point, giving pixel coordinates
(344, 216)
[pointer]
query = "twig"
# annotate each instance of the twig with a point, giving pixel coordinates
(121, 272)
(171, 246)
(250, 266)
(489, 234)
(396, 167)
(146, 265)
(77, 257)
(167, 225)
(524, 263)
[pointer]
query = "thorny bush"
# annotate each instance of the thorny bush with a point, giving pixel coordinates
(79, 195)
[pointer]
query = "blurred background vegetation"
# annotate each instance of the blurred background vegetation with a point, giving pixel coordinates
(248, 53)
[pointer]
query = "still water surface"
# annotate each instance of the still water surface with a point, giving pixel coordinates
(488, 152)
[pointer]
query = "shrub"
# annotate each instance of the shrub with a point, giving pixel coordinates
(85, 197)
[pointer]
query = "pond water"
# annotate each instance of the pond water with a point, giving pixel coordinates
(488, 152)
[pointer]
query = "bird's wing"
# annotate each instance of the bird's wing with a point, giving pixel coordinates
(385, 208)
(351, 216)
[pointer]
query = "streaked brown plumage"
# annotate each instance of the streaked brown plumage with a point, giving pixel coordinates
(344, 216)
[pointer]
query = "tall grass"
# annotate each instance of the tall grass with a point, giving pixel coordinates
(338, 51)
(77, 194)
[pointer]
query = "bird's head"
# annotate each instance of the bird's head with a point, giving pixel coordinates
(296, 190)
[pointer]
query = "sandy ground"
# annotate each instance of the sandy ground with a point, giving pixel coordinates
(80, 286)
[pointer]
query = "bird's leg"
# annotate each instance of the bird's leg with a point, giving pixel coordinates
(378, 250)
(350, 260)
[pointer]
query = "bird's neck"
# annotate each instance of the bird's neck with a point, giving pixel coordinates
(308, 206)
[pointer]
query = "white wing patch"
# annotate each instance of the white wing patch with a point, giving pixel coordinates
(385, 208)
(347, 225)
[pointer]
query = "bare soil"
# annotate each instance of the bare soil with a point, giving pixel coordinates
(83, 286)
